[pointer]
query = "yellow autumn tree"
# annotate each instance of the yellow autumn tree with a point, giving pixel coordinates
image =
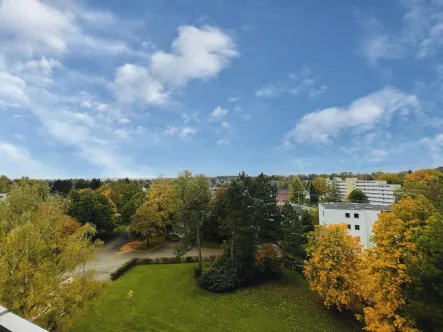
(422, 176)
(333, 266)
(388, 265)
(157, 211)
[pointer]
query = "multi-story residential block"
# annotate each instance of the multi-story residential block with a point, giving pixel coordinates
(2, 197)
(360, 217)
(378, 192)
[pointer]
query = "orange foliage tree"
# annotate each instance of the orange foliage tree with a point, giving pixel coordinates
(389, 262)
(422, 176)
(333, 266)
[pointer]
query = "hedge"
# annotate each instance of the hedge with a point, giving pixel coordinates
(159, 260)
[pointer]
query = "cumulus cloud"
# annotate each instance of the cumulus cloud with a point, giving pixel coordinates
(197, 53)
(363, 114)
(135, 84)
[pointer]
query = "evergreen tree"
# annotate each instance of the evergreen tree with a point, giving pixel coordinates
(297, 191)
(334, 192)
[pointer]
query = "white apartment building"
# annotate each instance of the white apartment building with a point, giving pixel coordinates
(14, 323)
(360, 217)
(2, 197)
(378, 192)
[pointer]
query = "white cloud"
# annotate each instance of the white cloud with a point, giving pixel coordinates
(363, 114)
(377, 154)
(223, 142)
(197, 53)
(233, 99)
(218, 113)
(419, 35)
(121, 133)
(297, 83)
(12, 90)
(225, 124)
(134, 84)
(123, 120)
(268, 92)
(182, 133)
(435, 147)
(189, 117)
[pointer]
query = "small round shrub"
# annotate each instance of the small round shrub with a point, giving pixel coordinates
(217, 279)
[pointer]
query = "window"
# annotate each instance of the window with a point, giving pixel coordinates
(349, 226)
(356, 215)
(357, 227)
(347, 215)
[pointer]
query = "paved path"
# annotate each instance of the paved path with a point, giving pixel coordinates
(109, 258)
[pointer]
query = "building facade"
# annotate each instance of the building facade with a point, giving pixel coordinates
(360, 217)
(2, 197)
(378, 192)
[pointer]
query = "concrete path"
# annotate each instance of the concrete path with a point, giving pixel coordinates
(109, 258)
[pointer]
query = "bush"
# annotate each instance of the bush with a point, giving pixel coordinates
(269, 264)
(217, 279)
(124, 268)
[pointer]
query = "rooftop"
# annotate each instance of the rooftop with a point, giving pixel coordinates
(14, 323)
(355, 206)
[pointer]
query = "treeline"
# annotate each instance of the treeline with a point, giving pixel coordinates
(397, 285)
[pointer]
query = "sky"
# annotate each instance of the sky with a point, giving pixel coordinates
(143, 88)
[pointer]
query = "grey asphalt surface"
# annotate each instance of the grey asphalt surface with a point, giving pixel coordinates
(109, 257)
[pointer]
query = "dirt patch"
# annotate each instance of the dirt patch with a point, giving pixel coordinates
(134, 246)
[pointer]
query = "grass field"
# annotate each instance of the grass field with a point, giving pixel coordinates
(165, 298)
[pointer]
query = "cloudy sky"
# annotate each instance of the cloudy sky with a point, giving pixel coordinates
(144, 88)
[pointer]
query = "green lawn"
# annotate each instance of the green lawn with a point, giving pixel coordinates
(166, 299)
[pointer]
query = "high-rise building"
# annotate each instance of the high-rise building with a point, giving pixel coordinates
(379, 192)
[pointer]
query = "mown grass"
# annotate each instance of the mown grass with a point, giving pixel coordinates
(165, 298)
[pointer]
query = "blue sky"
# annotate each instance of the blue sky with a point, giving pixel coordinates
(149, 88)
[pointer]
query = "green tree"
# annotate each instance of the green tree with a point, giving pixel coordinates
(292, 234)
(297, 191)
(391, 178)
(62, 187)
(334, 194)
(88, 206)
(5, 184)
(40, 247)
(357, 196)
(214, 227)
(157, 211)
(131, 207)
(193, 196)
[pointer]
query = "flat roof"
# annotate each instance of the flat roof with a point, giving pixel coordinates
(355, 206)
(14, 323)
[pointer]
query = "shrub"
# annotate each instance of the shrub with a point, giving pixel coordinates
(124, 268)
(217, 279)
(269, 264)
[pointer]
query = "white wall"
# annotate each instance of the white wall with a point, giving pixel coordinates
(366, 219)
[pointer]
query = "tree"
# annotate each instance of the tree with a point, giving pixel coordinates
(193, 196)
(333, 268)
(88, 206)
(157, 211)
(357, 195)
(131, 207)
(334, 194)
(292, 235)
(390, 264)
(5, 184)
(214, 227)
(40, 247)
(320, 185)
(297, 191)
(423, 176)
(62, 187)
(390, 178)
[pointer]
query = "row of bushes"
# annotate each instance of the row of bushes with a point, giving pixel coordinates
(159, 260)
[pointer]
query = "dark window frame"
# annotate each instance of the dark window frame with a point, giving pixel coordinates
(347, 215)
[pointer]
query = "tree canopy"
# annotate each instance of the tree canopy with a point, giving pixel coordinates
(40, 247)
(297, 191)
(357, 196)
(5, 184)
